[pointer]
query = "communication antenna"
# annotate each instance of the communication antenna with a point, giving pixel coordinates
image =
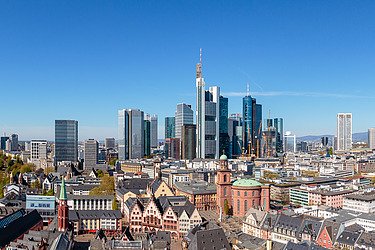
(247, 89)
(200, 56)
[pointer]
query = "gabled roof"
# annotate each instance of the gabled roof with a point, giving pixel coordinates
(332, 229)
(302, 246)
(367, 239)
(348, 238)
(289, 223)
(257, 214)
(207, 236)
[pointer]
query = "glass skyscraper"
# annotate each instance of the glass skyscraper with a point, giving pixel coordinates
(278, 123)
(66, 140)
(223, 126)
(247, 114)
(170, 131)
(147, 137)
(131, 134)
(184, 115)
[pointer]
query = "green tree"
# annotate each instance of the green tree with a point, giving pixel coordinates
(114, 204)
(106, 187)
(226, 207)
(35, 184)
(49, 192)
(100, 173)
(112, 162)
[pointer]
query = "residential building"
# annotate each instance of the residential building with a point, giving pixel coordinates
(183, 116)
(90, 221)
(188, 142)
(170, 127)
(38, 153)
(66, 140)
(344, 131)
(91, 154)
(131, 138)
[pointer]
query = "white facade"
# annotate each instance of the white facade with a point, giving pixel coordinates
(359, 204)
(344, 131)
(83, 202)
(371, 138)
(38, 152)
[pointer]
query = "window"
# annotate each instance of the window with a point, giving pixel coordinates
(225, 191)
(245, 206)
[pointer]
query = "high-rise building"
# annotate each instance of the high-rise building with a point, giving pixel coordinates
(224, 141)
(207, 113)
(66, 140)
(371, 138)
(110, 143)
(344, 131)
(14, 142)
(252, 125)
(172, 148)
(188, 142)
(183, 115)
(147, 137)
(91, 154)
(38, 152)
(170, 131)
(154, 131)
(131, 134)
(3, 141)
(8, 145)
(278, 123)
(235, 134)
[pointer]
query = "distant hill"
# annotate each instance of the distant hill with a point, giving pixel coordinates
(357, 137)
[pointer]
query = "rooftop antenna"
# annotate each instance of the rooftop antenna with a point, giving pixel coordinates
(247, 89)
(200, 56)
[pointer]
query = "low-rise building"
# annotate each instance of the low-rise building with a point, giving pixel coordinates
(90, 202)
(364, 203)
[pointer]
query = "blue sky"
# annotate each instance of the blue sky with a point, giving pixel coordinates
(305, 61)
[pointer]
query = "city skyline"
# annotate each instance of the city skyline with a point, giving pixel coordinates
(301, 71)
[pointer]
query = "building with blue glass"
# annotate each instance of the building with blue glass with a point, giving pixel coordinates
(66, 140)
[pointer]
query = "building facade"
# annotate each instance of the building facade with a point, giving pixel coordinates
(344, 131)
(131, 134)
(188, 142)
(172, 148)
(91, 154)
(170, 127)
(184, 115)
(371, 138)
(38, 153)
(66, 140)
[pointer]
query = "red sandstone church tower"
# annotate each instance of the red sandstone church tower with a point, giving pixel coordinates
(63, 211)
(223, 185)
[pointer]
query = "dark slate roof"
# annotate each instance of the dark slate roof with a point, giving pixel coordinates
(332, 228)
(196, 187)
(348, 238)
(302, 246)
(209, 239)
(61, 243)
(155, 184)
(94, 214)
(367, 239)
(289, 223)
(135, 183)
(18, 227)
(161, 240)
(311, 226)
(354, 228)
(269, 219)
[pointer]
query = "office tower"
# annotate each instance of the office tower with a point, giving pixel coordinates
(371, 138)
(91, 153)
(290, 142)
(212, 121)
(235, 134)
(200, 109)
(344, 131)
(183, 115)
(147, 138)
(14, 142)
(131, 138)
(66, 140)
(172, 148)
(170, 127)
(154, 131)
(252, 125)
(110, 143)
(278, 123)
(8, 145)
(3, 141)
(324, 141)
(38, 152)
(224, 140)
(188, 142)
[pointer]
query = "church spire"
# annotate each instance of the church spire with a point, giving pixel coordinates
(63, 190)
